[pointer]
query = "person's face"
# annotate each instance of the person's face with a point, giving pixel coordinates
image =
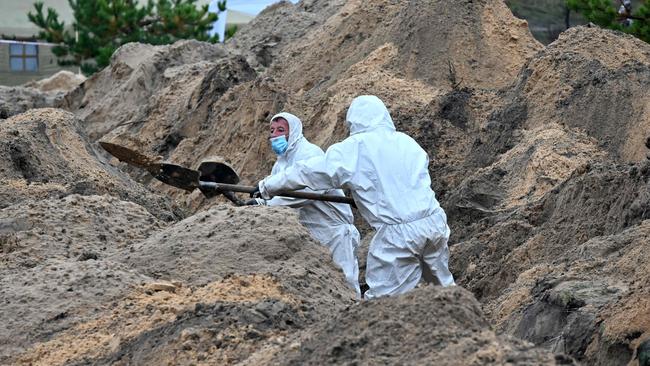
(280, 127)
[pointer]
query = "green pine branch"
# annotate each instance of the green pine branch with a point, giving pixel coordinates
(605, 14)
(101, 26)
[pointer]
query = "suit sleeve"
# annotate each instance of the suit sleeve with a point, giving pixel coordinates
(333, 170)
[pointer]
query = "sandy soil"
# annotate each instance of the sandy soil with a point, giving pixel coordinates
(538, 156)
(211, 288)
(63, 81)
(438, 325)
(45, 151)
(43, 93)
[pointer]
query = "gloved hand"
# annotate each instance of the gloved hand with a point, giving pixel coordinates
(256, 193)
(252, 202)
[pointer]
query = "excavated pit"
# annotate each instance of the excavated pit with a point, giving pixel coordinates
(538, 156)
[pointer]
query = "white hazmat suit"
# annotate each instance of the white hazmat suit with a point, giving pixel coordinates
(387, 173)
(328, 222)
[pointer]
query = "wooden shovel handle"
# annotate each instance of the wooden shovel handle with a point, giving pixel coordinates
(293, 194)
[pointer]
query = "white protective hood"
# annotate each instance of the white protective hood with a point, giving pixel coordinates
(295, 129)
(367, 113)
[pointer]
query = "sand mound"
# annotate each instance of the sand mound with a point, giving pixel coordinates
(43, 93)
(228, 240)
(73, 227)
(63, 81)
(524, 174)
(594, 80)
(529, 265)
(41, 301)
(567, 87)
(545, 182)
(428, 36)
(222, 322)
(46, 152)
(602, 200)
(441, 326)
(15, 100)
(162, 93)
(51, 268)
(594, 305)
(526, 146)
(214, 288)
(280, 24)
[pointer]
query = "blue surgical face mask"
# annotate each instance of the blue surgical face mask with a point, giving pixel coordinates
(279, 144)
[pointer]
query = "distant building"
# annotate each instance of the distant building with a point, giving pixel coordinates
(23, 58)
(22, 61)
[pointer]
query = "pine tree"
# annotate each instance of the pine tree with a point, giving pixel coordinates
(101, 26)
(605, 14)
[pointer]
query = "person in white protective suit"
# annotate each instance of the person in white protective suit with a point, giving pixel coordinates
(387, 174)
(330, 223)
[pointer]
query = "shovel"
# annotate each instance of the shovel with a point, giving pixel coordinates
(190, 180)
(208, 170)
(132, 157)
(212, 178)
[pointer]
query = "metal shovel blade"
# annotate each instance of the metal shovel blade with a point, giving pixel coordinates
(212, 171)
(178, 176)
(189, 179)
(219, 172)
(131, 157)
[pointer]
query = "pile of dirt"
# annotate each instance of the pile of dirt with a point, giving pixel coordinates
(431, 325)
(428, 37)
(224, 241)
(542, 159)
(527, 246)
(98, 226)
(63, 81)
(546, 100)
(46, 154)
(42, 301)
(263, 39)
(222, 323)
(593, 80)
(162, 94)
(213, 288)
(555, 272)
(43, 93)
(15, 100)
(537, 156)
